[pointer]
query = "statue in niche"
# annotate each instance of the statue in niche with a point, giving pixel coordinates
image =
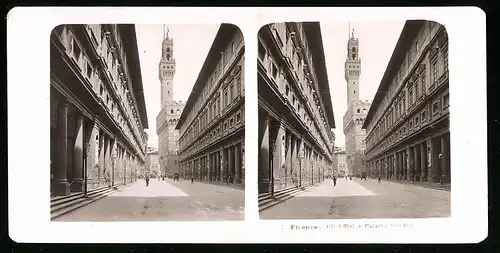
(283, 151)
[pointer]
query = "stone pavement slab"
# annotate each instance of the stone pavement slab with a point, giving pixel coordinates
(389, 200)
(165, 201)
(344, 188)
(155, 189)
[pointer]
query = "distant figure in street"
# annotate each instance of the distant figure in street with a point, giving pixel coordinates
(379, 177)
(147, 180)
(192, 180)
(334, 181)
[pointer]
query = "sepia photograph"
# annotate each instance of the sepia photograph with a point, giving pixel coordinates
(141, 121)
(353, 120)
(147, 122)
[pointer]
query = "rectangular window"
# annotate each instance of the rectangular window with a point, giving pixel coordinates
(411, 96)
(434, 71)
(287, 90)
(446, 100)
(89, 70)
(238, 117)
(262, 51)
(226, 100)
(274, 71)
(76, 50)
(231, 121)
(231, 88)
(417, 91)
(435, 108)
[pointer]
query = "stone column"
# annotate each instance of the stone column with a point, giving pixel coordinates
(400, 165)
(237, 162)
(61, 185)
(288, 160)
(210, 166)
(445, 159)
(409, 160)
(230, 154)
(430, 160)
(71, 145)
(242, 161)
(77, 185)
(403, 164)
(300, 153)
(225, 163)
(90, 155)
(218, 165)
(417, 162)
(279, 156)
(423, 162)
(264, 159)
(295, 167)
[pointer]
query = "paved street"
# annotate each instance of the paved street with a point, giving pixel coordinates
(165, 201)
(356, 198)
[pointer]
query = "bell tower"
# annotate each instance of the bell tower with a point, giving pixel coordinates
(352, 69)
(166, 70)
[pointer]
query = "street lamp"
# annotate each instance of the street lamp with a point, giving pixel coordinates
(113, 159)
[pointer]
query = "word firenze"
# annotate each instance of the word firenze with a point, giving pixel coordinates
(359, 226)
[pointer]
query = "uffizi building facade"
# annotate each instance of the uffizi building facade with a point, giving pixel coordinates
(408, 136)
(97, 108)
(212, 124)
(295, 109)
(168, 117)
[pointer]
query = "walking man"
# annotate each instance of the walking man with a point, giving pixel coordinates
(334, 181)
(192, 180)
(147, 180)
(379, 177)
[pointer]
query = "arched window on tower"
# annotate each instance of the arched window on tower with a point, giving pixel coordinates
(358, 110)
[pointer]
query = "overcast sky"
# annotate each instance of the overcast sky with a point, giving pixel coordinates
(191, 45)
(376, 43)
(192, 42)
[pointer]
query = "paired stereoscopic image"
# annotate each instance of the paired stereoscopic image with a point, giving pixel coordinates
(353, 120)
(147, 122)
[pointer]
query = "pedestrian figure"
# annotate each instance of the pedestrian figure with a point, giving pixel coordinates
(379, 177)
(147, 181)
(192, 180)
(334, 181)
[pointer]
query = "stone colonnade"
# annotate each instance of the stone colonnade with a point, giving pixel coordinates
(424, 161)
(82, 152)
(224, 165)
(285, 159)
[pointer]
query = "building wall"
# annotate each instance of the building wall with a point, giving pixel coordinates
(97, 107)
(341, 165)
(408, 127)
(168, 136)
(211, 142)
(295, 137)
